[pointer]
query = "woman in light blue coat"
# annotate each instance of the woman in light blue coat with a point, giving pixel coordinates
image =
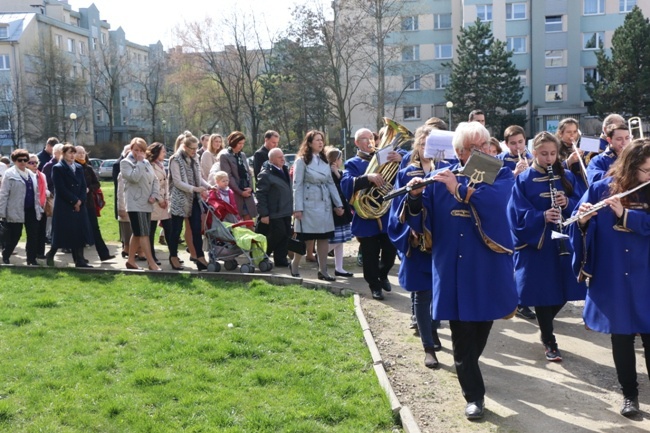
(314, 192)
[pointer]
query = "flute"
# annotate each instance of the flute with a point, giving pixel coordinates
(601, 204)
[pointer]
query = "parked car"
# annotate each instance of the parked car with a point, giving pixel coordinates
(106, 169)
(95, 163)
(289, 159)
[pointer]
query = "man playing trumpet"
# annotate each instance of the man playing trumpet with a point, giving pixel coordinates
(517, 158)
(465, 222)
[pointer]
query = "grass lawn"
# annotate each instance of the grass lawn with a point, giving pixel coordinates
(107, 223)
(116, 353)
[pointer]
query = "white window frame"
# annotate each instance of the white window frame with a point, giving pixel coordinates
(82, 48)
(415, 109)
(58, 41)
(523, 78)
(4, 32)
(554, 59)
(440, 48)
(593, 71)
(414, 54)
(555, 90)
(437, 22)
(442, 81)
(71, 46)
(599, 7)
(512, 12)
(625, 6)
(5, 64)
(512, 45)
(410, 23)
(600, 40)
(553, 23)
(412, 82)
(484, 13)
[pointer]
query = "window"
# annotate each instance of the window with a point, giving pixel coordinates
(4, 62)
(103, 35)
(410, 54)
(123, 101)
(444, 51)
(94, 44)
(516, 11)
(4, 123)
(71, 46)
(442, 80)
(412, 82)
(99, 115)
(555, 58)
(484, 12)
(593, 7)
(412, 112)
(441, 21)
(3, 32)
(6, 94)
(591, 72)
(593, 41)
(58, 41)
(409, 23)
(82, 48)
(523, 78)
(555, 92)
(517, 44)
(626, 5)
(553, 24)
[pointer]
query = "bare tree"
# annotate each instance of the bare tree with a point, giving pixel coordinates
(13, 108)
(151, 79)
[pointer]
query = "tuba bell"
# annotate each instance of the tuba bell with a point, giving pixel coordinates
(369, 203)
(636, 127)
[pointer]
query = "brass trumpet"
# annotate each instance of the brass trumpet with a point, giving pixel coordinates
(635, 126)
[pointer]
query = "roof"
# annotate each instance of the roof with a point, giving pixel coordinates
(17, 23)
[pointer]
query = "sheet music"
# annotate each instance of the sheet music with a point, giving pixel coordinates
(382, 155)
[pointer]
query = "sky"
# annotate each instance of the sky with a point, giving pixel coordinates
(148, 21)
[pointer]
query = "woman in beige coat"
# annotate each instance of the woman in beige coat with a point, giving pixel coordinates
(209, 157)
(160, 215)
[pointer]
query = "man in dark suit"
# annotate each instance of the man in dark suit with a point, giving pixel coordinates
(275, 206)
(261, 155)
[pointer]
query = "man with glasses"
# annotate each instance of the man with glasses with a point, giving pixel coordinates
(471, 249)
(376, 248)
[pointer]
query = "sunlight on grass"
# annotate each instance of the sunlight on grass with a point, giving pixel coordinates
(116, 353)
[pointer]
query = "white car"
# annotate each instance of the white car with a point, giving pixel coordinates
(106, 169)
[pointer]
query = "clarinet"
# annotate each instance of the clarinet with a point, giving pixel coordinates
(561, 246)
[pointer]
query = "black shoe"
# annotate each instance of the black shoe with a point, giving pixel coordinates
(437, 345)
(156, 261)
(140, 258)
(474, 410)
(281, 264)
(630, 407)
(430, 358)
(41, 257)
(414, 323)
(108, 257)
(296, 275)
(49, 260)
(376, 294)
(125, 254)
(192, 259)
(82, 264)
(552, 352)
(385, 284)
(32, 263)
(176, 268)
(325, 277)
(343, 274)
(359, 259)
(525, 313)
(5, 261)
(199, 265)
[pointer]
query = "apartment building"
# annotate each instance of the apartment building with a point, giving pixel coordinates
(553, 43)
(36, 34)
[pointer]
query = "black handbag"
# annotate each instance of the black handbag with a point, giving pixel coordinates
(297, 246)
(4, 233)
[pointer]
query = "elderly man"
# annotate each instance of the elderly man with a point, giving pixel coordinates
(275, 206)
(376, 248)
(271, 140)
(470, 240)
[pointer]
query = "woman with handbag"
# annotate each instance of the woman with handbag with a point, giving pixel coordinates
(160, 216)
(19, 205)
(43, 196)
(94, 188)
(314, 192)
(140, 192)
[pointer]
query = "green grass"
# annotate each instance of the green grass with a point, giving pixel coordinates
(108, 225)
(116, 353)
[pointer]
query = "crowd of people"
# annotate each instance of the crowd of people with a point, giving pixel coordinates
(449, 232)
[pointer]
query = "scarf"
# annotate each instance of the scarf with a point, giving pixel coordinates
(244, 180)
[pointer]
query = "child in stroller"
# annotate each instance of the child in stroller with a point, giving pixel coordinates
(228, 236)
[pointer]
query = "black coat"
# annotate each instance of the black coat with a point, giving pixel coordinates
(70, 229)
(274, 193)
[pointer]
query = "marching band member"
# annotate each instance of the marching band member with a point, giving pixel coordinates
(377, 250)
(517, 157)
(618, 136)
(612, 250)
(543, 272)
(569, 134)
(611, 119)
(469, 240)
(415, 256)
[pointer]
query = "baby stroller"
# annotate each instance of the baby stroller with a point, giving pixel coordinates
(227, 240)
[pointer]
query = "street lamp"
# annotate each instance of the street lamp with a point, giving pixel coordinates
(450, 105)
(73, 117)
(164, 124)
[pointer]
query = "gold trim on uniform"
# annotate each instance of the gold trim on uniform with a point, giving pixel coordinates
(464, 213)
(494, 246)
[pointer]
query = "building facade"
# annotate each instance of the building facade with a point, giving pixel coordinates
(56, 65)
(554, 44)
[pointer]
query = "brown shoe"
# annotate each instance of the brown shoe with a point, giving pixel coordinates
(430, 358)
